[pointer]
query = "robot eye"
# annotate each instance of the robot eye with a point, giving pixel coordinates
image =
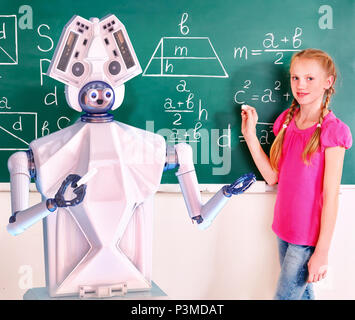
(108, 94)
(93, 94)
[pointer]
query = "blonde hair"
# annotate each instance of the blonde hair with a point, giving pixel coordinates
(329, 67)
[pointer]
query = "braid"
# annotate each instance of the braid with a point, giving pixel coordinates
(329, 92)
(314, 141)
(291, 112)
(276, 148)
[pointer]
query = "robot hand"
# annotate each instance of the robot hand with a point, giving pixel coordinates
(21, 220)
(211, 209)
(78, 188)
(240, 185)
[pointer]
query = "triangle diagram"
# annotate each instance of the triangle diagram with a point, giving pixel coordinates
(5, 57)
(8, 40)
(11, 142)
(17, 130)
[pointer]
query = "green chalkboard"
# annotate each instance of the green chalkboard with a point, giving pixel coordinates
(200, 59)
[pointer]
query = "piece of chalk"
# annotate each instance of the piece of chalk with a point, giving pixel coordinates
(239, 185)
(86, 177)
(244, 106)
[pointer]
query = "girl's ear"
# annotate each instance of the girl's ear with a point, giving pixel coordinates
(329, 82)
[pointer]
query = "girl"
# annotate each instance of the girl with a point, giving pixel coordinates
(306, 160)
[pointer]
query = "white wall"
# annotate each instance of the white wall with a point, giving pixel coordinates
(236, 258)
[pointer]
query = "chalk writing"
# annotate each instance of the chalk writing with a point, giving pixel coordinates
(8, 40)
(266, 96)
(185, 57)
(19, 128)
(264, 133)
(272, 46)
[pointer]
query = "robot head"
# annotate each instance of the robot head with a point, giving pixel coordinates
(96, 97)
(94, 57)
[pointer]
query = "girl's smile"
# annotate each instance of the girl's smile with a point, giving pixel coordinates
(301, 94)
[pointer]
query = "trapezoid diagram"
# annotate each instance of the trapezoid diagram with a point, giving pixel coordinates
(185, 57)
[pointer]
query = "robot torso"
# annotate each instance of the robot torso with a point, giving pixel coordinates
(107, 238)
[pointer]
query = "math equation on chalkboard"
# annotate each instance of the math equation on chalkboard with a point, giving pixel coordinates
(184, 58)
(200, 64)
(275, 48)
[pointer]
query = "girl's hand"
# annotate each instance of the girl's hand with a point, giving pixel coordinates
(317, 267)
(249, 120)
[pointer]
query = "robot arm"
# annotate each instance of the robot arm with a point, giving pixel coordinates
(21, 167)
(20, 177)
(181, 156)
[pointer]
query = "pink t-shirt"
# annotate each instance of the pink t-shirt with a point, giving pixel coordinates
(299, 200)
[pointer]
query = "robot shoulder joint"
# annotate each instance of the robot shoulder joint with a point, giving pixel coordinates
(185, 157)
(22, 163)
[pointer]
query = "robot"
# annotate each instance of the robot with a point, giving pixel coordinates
(98, 176)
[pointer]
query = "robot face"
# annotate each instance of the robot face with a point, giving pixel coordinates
(96, 97)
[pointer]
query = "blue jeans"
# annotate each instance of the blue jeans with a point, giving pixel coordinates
(292, 283)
